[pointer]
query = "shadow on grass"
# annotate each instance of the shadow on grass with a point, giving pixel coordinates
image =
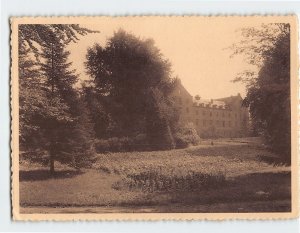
(241, 152)
(248, 190)
(274, 160)
(41, 174)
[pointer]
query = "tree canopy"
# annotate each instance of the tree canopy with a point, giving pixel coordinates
(134, 80)
(268, 91)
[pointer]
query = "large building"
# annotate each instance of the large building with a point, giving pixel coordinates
(213, 118)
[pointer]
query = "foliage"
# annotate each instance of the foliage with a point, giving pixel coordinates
(268, 92)
(152, 181)
(35, 36)
(33, 102)
(186, 136)
(200, 167)
(121, 144)
(103, 124)
(52, 116)
(159, 133)
(133, 82)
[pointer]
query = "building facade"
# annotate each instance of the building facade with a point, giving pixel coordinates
(214, 118)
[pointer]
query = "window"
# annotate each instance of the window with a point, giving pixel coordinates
(187, 101)
(235, 115)
(187, 110)
(229, 123)
(217, 113)
(210, 122)
(223, 114)
(204, 122)
(223, 123)
(210, 114)
(197, 121)
(197, 112)
(203, 112)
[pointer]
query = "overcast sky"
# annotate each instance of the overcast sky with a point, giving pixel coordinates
(195, 47)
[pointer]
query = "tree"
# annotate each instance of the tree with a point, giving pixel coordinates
(268, 91)
(34, 36)
(50, 107)
(159, 133)
(102, 122)
(135, 80)
(58, 85)
(32, 99)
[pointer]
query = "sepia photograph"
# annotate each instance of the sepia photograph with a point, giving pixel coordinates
(154, 117)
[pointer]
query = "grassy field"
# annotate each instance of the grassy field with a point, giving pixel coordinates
(228, 176)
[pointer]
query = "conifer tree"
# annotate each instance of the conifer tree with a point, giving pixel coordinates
(32, 100)
(69, 140)
(51, 111)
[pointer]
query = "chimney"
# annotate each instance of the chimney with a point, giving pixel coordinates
(197, 97)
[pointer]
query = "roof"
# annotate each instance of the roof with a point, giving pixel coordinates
(210, 103)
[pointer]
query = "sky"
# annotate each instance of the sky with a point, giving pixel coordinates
(196, 47)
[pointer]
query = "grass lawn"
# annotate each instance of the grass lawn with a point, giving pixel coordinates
(229, 176)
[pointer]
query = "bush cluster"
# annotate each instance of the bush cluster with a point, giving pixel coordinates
(186, 136)
(154, 181)
(121, 144)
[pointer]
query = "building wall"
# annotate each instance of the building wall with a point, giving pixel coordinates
(211, 121)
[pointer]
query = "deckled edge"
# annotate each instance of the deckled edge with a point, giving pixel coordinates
(150, 216)
(13, 78)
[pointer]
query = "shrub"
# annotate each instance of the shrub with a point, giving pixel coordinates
(153, 180)
(102, 145)
(186, 136)
(121, 144)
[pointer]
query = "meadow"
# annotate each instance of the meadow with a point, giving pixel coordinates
(228, 175)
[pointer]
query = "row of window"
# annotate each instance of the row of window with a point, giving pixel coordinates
(187, 101)
(210, 113)
(217, 123)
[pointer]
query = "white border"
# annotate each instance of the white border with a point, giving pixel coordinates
(98, 7)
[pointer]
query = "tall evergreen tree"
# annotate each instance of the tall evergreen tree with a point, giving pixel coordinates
(59, 84)
(69, 133)
(34, 36)
(32, 100)
(49, 104)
